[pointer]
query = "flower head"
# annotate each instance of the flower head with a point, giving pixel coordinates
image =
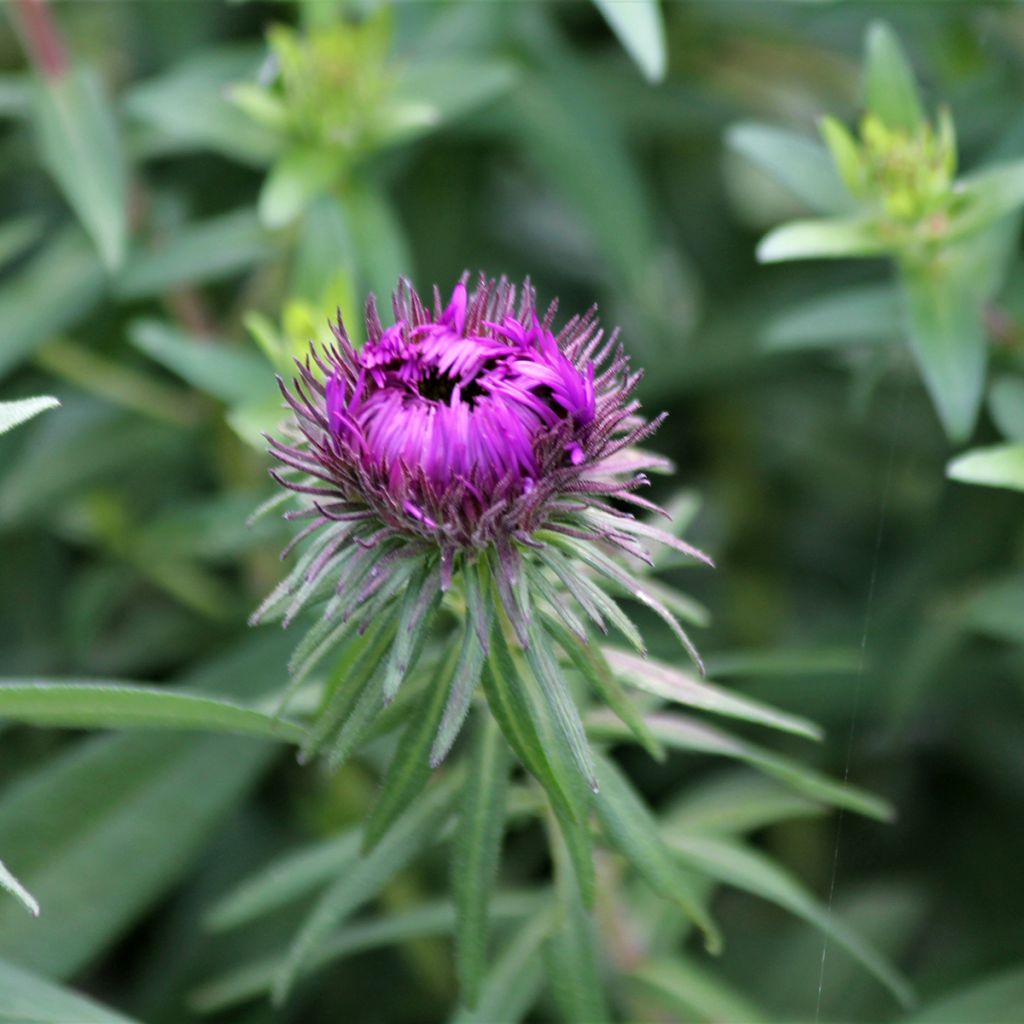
(474, 443)
(468, 427)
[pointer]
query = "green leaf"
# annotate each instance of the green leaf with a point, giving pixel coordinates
(864, 314)
(431, 92)
(197, 253)
(13, 414)
(997, 609)
(796, 661)
(846, 155)
(188, 107)
(947, 337)
(18, 234)
(728, 861)
(1006, 403)
(834, 238)
(737, 801)
(632, 587)
(475, 853)
(513, 982)
(98, 705)
(509, 706)
(415, 830)
(693, 992)
(558, 704)
(104, 828)
(464, 684)
(285, 880)
(890, 90)
(572, 957)
(591, 664)
(641, 31)
(683, 733)
(295, 180)
(418, 604)
(352, 697)
(799, 163)
(988, 195)
(410, 767)
(1001, 465)
(18, 891)
(57, 287)
(670, 684)
(996, 1000)
(26, 998)
(214, 366)
(436, 918)
(632, 830)
(81, 148)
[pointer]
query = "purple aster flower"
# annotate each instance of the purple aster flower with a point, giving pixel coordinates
(472, 451)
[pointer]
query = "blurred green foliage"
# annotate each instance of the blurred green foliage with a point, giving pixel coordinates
(214, 187)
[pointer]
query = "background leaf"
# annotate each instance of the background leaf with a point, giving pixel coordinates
(641, 31)
(81, 148)
(27, 997)
(21, 411)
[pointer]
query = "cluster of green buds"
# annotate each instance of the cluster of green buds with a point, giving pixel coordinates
(893, 192)
(323, 86)
(908, 171)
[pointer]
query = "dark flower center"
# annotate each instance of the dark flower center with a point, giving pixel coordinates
(439, 387)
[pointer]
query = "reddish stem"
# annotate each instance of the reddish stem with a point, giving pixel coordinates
(41, 38)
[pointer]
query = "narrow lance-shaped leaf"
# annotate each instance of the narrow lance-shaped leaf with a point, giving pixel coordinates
(508, 705)
(93, 705)
(572, 955)
(633, 587)
(693, 992)
(81, 148)
(475, 852)
(27, 997)
(947, 336)
(736, 865)
(670, 684)
(889, 86)
(560, 704)
(550, 709)
(512, 984)
(598, 605)
(832, 238)
(641, 31)
(413, 620)
(680, 732)
(410, 834)
(632, 830)
(18, 891)
(1000, 465)
(351, 700)
(12, 414)
(800, 164)
(435, 918)
(145, 803)
(464, 683)
(997, 1000)
(410, 767)
(289, 878)
(591, 664)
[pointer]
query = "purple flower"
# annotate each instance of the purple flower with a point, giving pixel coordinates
(465, 427)
(475, 441)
